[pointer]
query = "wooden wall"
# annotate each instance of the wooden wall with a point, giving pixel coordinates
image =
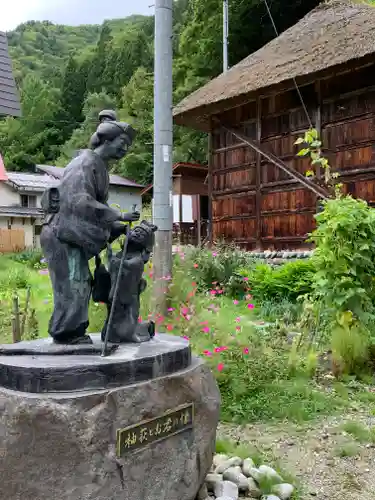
(257, 205)
(12, 240)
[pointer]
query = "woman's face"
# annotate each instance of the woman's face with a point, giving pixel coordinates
(118, 148)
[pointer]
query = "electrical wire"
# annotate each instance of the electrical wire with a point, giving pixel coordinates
(293, 79)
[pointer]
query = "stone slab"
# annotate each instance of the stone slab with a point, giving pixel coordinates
(63, 446)
(128, 364)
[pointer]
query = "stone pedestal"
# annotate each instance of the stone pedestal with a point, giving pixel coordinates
(139, 424)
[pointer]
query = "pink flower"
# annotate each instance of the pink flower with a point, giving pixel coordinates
(193, 284)
(196, 266)
(220, 349)
(250, 306)
(185, 337)
(169, 328)
(238, 328)
(207, 353)
(220, 367)
(184, 311)
(170, 309)
(204, 322)
(213, 292)
(235, 302)
(246, 350)
(214, 254)
(238, 319)
(246, 279)
(206, 329)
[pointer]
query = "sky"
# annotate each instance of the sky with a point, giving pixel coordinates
(71, 12)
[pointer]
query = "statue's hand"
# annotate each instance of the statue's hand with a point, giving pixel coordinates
(131, 217)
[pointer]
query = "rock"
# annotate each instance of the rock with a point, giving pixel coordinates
(284, 491)
(226, 489)
(246, 466)
(63, 445)
(270, 473)
(270, 497)
(212, 479)
(218, 459)
(224, 498)
(234, 474)
(231, 462)
(202, 493)
(253, 490)
(255, 474)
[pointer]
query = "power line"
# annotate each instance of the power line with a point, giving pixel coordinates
(293, 79)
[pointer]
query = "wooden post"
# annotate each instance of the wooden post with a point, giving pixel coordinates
(210, 187)
(180, 207)
(24, 316)
(258, 196)
(199, 220)
(16, 331)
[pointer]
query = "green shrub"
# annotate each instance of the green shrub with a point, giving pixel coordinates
(285, 282)
(15, 279)
(217, 268)
(344, 285)
(31, 258)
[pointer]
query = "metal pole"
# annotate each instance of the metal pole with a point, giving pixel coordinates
(163, 142)
(225, 35)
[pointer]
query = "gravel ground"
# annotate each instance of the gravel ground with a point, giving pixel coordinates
(328, 463)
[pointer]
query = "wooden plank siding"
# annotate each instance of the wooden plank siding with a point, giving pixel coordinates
(255, 203)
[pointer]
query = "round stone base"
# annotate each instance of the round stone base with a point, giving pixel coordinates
(148, 441)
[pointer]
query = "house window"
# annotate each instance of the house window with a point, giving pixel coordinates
(28, 201)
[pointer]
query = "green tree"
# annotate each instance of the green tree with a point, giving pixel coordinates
(31, 139)
(80, 138)
(137, 109)
(72, 96)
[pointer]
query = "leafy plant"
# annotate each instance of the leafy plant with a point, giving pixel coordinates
(344, 286)
(285, 282)
(313, 150)
(221, 268)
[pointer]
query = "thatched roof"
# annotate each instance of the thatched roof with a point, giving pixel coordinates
(332, 34)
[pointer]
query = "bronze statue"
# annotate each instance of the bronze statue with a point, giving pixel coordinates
(78, 226)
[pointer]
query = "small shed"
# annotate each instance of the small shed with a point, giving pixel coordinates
(253, 114)
(190, 202)
(9, 98)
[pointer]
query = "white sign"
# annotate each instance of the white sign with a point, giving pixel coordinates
(166, 153)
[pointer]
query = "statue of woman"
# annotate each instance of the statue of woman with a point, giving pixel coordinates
(78, 226)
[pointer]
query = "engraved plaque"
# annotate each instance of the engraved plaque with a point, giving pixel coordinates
(151, 431)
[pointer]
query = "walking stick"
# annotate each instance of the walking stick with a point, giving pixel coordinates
(117, 286)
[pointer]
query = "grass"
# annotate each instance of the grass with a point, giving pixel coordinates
(359, 432)
(261, 377)
(347, 450)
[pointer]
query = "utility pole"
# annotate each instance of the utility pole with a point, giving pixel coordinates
(163, 143)
(225, 35)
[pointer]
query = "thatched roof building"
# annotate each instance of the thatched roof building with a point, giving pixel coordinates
(333, 34)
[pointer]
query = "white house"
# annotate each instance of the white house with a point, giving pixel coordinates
(20, 195)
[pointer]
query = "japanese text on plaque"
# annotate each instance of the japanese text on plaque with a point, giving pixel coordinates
(150, 431)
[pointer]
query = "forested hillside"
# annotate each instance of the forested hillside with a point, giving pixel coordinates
(67, 74)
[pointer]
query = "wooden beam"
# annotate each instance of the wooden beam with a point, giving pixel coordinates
(258, 180)
(318, 190)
